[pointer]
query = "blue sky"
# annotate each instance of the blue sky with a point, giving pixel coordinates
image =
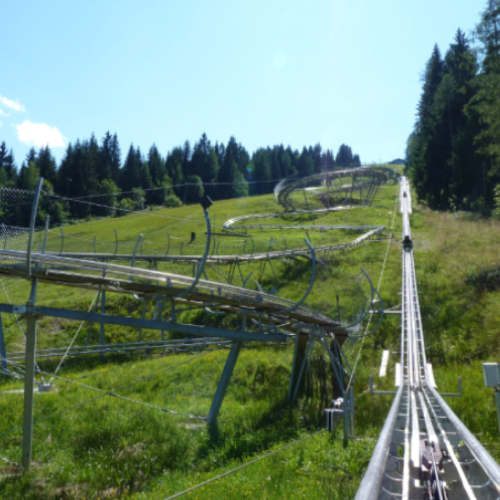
(162, 71)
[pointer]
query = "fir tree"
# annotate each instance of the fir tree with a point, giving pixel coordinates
(46, 165)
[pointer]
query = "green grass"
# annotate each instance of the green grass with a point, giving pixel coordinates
(112, 448)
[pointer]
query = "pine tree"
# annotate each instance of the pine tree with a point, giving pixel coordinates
(174, 169)
(485, 105)
(418, 151)
(220, 151)
(29, 176)
(158, 172)
(130, 175)
(305, 165)
(240, 186)
(46, 165)
(262, 171)
(31, 156)
(228, 169)
(204, 160)
(109, 160)
(327, 161)
(186, 159)
(8, 166)
(344, 157)
(156, 165)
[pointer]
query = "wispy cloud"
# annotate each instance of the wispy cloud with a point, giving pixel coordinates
(3, 113)
(40, 135)
(15, 105)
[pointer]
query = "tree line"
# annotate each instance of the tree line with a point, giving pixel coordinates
(94, 172)
(453, 153)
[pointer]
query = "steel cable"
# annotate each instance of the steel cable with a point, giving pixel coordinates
(177, 495)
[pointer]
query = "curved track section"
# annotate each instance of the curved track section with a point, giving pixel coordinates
(424, 451)
(148, 283)
(364, 180)
(227, 259)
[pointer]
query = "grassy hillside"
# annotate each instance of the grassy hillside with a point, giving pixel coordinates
(91, 445)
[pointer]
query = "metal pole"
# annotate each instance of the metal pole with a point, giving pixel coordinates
(305, 197)
(3, 353)
(62, 240)
(328, 187)
(47, 224)
(34, 210)
(29, 384)
(497, 401)
(29, 377)
(103, 310)
(294, 362)
(351, 408)
(224, 382)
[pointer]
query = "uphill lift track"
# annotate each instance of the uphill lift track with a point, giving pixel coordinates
(424, 451)
(264, 317)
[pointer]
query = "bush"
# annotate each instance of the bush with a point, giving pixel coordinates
(125, 205)
(172, 201)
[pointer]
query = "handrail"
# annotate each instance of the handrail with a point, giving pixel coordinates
(372, 480)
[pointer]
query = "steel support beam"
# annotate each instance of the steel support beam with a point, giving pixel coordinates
(199, 331)
(296, 362)
(224, 382)
(305, 362)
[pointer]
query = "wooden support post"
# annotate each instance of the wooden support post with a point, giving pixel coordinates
(224, 382)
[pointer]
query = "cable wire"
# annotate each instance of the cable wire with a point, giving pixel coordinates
(378, 288)
(73, 339)
(224, 474)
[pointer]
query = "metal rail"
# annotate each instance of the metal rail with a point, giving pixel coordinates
(223, 259)
(174, 345)
(424, 451)
(375, 176)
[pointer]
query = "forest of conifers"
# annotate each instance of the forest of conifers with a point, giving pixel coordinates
(453, 153)
(92, 169)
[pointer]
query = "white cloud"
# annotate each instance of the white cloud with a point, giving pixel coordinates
(40, 134)
(3, 113)
(15, 105)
